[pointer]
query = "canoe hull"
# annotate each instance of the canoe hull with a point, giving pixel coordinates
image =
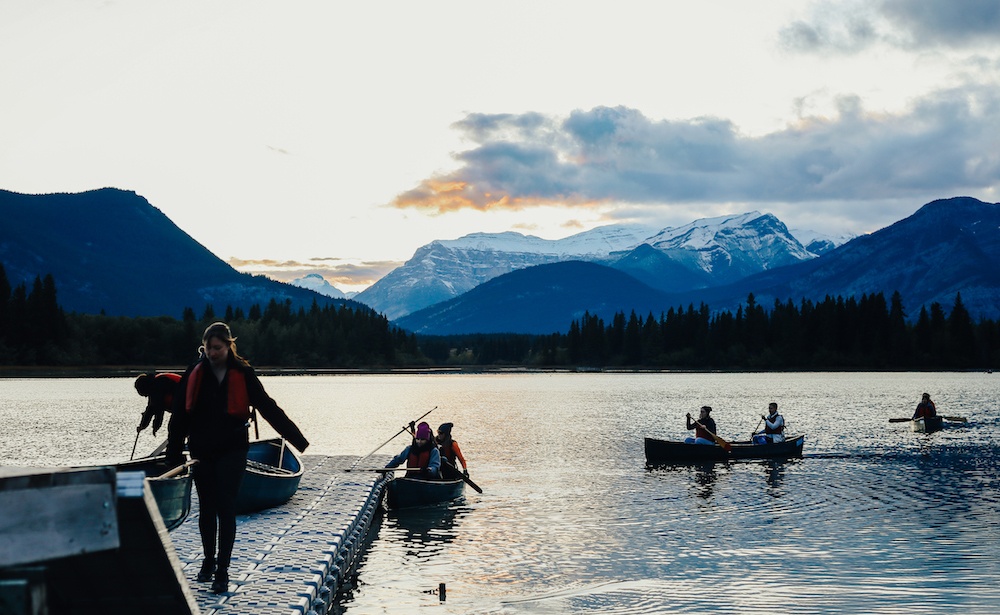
(662, 452)
(267, 481)
(927, 424)
(172, 495)
(411, 492)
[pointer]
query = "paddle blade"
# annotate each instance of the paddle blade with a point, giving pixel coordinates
(956, 419)
(900, 420)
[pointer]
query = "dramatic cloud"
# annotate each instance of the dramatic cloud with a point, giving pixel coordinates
(944, 145)
(851, 27)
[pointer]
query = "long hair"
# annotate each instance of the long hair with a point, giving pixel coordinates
(220, 331)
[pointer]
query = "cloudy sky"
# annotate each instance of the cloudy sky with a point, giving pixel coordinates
(339, 137)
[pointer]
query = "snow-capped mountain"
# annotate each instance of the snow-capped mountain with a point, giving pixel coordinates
(818, 243)
(703, 253)
(316, 282)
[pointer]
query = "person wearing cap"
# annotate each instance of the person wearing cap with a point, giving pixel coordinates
(159, 391)
(421, 455)
(704, 428)
(450, 450)
(926, 408)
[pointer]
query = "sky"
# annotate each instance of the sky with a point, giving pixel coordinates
(339, 137)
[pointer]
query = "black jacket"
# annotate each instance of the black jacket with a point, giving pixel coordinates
(211, 431)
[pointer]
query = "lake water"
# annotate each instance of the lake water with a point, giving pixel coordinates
(874, 519)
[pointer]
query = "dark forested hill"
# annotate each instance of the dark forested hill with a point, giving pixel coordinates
(110, 250)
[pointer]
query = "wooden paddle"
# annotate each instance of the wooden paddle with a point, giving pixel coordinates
(408, 428)
(956, 419)
(900, 420)
(468, 481)
(178, 469)
(718, 440)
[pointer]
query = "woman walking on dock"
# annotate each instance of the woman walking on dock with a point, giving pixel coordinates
(212, 410)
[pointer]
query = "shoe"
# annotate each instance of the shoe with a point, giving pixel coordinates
(207, 570)
(221, 582)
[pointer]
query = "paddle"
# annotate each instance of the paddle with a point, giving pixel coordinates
(956, 419)
(461, 475)
(754, 432)
(132, 456)
(405, 428)
(718, 440)
(178, 469)
(900, 420)
(399, 469)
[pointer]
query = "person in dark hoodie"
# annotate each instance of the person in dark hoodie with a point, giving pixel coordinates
(422, 455)
(159, 390)
(451, 453)
(212, 411)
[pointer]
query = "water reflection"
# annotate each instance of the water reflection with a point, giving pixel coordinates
(425, 530)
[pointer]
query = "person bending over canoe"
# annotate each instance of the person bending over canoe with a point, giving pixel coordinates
(159, 390)
(450, 450)
(422, 455)
(774, 427)
(926, 408)
(703, 432)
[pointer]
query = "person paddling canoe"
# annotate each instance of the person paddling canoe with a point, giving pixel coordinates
(450, 450)
(774, 427)
(422, 455)
(926, 408)
(704, 428)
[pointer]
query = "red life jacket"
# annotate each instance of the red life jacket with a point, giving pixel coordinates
(168, 399)
(237, 398)
(418, 459)
(926, 409)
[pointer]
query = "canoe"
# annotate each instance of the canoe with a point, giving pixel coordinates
(405, 492)
(172, 495)
(927, 424)
(272, 476)
(662, 452)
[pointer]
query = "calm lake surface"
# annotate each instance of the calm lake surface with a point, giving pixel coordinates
(874, 519)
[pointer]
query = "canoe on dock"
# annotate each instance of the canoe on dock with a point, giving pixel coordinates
(662, 452)
(273, 473)
(405, 492)
(172, 493)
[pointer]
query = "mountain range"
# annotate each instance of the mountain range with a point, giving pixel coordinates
(705, 253)
(948, 246)
(110, 251)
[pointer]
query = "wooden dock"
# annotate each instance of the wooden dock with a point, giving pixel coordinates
(290, 560)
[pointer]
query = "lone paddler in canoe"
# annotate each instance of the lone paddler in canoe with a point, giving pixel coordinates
(704, 430)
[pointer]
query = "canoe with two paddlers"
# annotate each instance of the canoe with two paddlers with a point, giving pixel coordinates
(408, 492)
(661, 452)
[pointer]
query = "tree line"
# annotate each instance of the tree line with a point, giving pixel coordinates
(869, 333)
(837, 333)
(36, 331)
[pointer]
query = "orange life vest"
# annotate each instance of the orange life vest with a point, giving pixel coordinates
(237, 398)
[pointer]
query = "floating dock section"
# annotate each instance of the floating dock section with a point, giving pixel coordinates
(293, 559)
(290, 560)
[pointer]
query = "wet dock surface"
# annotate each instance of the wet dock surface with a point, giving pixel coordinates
(292, 559)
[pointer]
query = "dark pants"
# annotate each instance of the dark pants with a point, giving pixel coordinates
(218, 481)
